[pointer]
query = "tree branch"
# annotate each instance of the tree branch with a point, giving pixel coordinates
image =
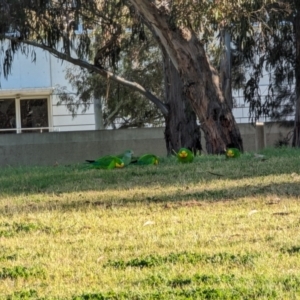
(105, 73)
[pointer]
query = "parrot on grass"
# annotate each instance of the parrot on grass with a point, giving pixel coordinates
(106, 162)
(148, 159)
(112, 161)
(185, 155)
(126, 157)
(232, 153)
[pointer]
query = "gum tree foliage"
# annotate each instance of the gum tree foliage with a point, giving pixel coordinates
(269, 49)
(121, 107)
(176, 26)
(272, 48)
(50, 24)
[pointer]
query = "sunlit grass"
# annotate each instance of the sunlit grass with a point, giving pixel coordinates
(214, 229)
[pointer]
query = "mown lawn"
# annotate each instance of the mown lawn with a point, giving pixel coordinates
(214, 229)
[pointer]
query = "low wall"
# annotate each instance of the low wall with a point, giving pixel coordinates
(75, 147)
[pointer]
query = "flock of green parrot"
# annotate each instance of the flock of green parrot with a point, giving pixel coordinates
(184, 155)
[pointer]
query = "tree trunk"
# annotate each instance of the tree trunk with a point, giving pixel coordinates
(200, 81)
(296, 137)
(225, 67)
(182, 129)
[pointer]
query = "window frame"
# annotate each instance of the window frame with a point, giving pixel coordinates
(29, 95)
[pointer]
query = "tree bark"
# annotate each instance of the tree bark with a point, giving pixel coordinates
(181, 129)
(200, 81)
(225, 67)
(296, 136)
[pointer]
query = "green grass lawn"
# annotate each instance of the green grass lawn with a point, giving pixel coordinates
(213, 229)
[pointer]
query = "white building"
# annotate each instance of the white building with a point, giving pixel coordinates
(28, 101)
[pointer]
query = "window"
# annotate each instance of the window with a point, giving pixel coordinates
(24, 115)
(34, 114)
(7, 115)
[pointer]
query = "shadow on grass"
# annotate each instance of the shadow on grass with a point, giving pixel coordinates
(174, 199)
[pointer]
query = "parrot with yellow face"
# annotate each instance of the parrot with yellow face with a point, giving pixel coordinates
(185, 155)
(232, 153)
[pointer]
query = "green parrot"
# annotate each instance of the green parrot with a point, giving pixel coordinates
(148, 159)
(126, 157)
(232, 153)
(185, 155)
(106, 162)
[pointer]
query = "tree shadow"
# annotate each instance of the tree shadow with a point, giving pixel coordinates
(174, 199)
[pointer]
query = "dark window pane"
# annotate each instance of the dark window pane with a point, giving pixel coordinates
(7, 115)
(34, 114)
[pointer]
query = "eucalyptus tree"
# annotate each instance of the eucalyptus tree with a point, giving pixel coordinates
(178, 28)
(271, 46)
(141, 60)
(175, 24)
(50, 25)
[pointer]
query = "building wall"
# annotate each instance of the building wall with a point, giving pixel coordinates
(62, 117)
(75, 147)
(39, 79)
(27, 75)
